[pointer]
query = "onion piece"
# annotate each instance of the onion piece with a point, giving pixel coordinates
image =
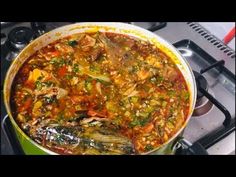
(94, 75)
(88, 120)
(131, 91)
(98, 87)
(61, 93)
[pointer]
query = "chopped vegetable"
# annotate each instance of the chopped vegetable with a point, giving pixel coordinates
(134, 99)
(111, 106)
(21, 118)
(54, 53)
(134, 123)
(38, 85)
(61, 93)
(164, 103)
(62, 71)
(95, 75)
(74, 80)
(149, 147)
(36, 74)
(100, 93)
(49, 100)
(153, 80)
(148, 128)
(186, 96)
(94, 68)
(127, 113)
(96, 113)
(68, 77)
(58, 62)
(131, 91)
(143, 74)
(72, 43)
(26, 104)
(98, 87)
(76, 68)
(88, 85)
(36, 108)
(100, 77)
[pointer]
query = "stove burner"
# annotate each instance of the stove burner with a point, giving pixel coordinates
(38, 27)
(19, 37)
(203, 105)
(200, 82)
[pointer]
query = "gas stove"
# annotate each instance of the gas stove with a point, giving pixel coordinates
(212, 125)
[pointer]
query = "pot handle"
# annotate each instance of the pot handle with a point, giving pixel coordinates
(11, 136)
(157, 26)
(3, 122)
(184, 147)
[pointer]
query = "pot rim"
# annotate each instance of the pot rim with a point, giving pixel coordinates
(135, 30)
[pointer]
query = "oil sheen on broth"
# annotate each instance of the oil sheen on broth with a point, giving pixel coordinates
(100, 93)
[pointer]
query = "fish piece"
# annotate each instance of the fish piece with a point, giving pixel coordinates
(94, 139)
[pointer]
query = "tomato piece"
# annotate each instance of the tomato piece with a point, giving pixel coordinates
(26, 105)
(54, 53)
(55, 111)
(148, 128)
(95, 113)
(62, 71)
(72, 111)
(75, 99)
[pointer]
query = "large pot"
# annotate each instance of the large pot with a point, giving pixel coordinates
(31, 147)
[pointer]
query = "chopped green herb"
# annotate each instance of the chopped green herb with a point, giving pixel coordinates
(148, 147)
(88, 84)
(171, 110)
(135, 68)
(48, 83)
(186, 96)
(139, 121)
(75, 68)
(134, 123)
(49, 99)
(72, 43)
(171, 93)
(68, 77)
(160, 130)
(164, 103)
(58, 62)
(38, 85)
(117, 120)
(103, 82)
(144, 114)
(144, 121)
(134, 99)
(61, 116)
(160, 79)
(94, 68)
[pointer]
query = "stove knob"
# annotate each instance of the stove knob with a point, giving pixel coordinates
(38, 27)
(19, 37)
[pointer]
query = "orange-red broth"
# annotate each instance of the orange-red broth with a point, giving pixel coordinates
(127, 82)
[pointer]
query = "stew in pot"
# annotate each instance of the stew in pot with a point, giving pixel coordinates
(100, 93)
